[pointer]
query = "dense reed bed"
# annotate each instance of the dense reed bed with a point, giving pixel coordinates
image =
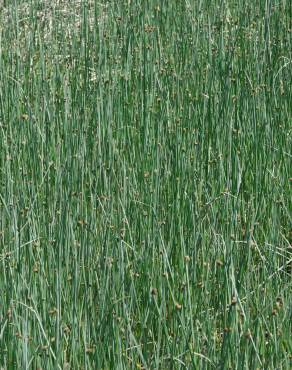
(145, 184)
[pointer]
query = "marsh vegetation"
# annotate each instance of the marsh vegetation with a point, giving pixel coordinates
(145, 184)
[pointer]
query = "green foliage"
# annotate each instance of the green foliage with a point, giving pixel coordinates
(145, 184)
